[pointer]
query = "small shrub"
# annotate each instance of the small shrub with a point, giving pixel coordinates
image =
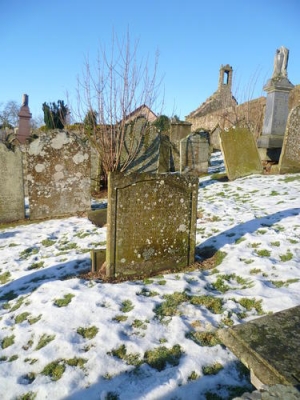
(193, 376)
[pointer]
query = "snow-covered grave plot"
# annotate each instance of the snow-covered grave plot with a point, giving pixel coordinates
(65, 337)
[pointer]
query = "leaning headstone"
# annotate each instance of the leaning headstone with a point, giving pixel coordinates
(194, 154)
(11, 184)
(141, 147)
(58, 175)
(240, 153)
(151, 223)
(289, 161)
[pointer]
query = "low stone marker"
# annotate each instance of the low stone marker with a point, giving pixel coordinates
(12, 207)
(240, 153)
(194, 151)
(58, 174)
(289, 161)
(151, 223)
(269, 347)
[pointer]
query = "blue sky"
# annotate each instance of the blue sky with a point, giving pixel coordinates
(44, 44)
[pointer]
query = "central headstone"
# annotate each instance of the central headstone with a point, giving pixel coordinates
(151, 223)
(194, 154)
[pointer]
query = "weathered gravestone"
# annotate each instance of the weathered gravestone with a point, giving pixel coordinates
(194, 150)
(141, 147)
(151, 223)
(240, 153)
(58, 177)
(178, 131)
(269, 347)
(11, 184)
(289, 161)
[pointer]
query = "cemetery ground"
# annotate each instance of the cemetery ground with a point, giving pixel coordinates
(66, 337)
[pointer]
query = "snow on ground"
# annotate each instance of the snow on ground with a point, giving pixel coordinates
(63, 337)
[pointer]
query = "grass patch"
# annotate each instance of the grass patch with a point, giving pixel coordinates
(28, 252)
(280, 284)
(275, 244)
(120, 318)
(65, 245)
(250, 304)
(33, 320)
(88, 333)
(54, 370)
(159, 357)
(219, 257)
(127, 306)
(213, 304)
(139, 324)
(5, 277)
(240, 240)
(7, 341)
(286, 257)
(36, 265)
(76, 362)
(170, 306)
(193, 376)
(64, 301)
(263, 253)
(21, 317)
(209, 339)
(130, 359)
(44, 340)
(212, 369)
(222, 287)
(147, 293)
(255, 271)
(48, 242)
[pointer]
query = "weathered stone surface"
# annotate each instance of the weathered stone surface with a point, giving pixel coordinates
(151, 223)
(268, 346)
(240, 153)
(178, 131)
(289, 161)
(98, 217)
(194, 154)
(12, 206)
(141, 149)
(58, 175)
(274, 392)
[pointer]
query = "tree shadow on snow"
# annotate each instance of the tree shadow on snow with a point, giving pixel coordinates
(31, 281)
(210, 246)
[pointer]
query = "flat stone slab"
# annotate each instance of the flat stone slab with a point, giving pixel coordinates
(269, 347)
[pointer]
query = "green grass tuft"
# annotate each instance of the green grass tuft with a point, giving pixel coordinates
(88, 333)
(64, 301)
(159, 357)
(44, 340)
(54, 370)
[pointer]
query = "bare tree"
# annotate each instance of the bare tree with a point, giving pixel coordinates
(9, 114)
(113, 89)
